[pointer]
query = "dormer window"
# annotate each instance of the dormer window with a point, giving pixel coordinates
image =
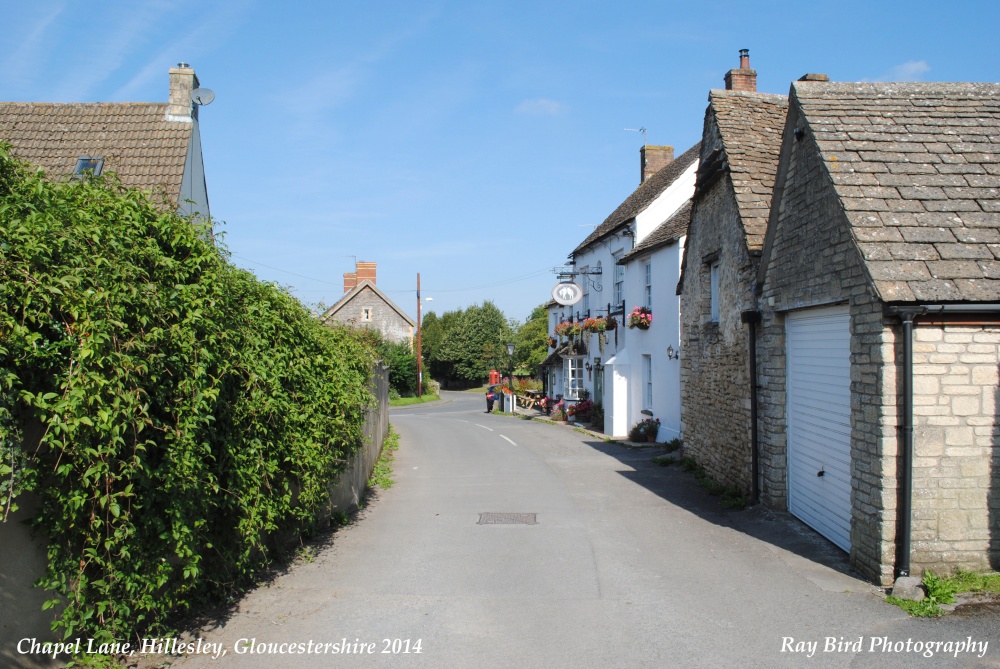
(88, 164)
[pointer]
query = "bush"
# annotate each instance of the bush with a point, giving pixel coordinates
(182, 415)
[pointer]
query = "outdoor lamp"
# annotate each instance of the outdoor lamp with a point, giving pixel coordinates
(672, 354)
(510, 350)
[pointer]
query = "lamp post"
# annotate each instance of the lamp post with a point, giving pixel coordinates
(510, 352)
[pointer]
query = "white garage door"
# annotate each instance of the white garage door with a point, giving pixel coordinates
(818, 346)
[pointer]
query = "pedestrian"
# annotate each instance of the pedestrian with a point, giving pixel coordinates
(491, 397)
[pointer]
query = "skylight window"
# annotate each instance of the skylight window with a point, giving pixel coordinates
(88, 164)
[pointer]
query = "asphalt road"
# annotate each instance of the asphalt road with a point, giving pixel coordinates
(628, 565)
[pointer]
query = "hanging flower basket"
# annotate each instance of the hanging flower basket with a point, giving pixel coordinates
(567, 329)
(641, 318)
(611, 323)
(552, 342)
(594, 325)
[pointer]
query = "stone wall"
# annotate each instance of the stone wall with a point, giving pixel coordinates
(956, 464)
(715, 379)
(384, 318)
(814, 261)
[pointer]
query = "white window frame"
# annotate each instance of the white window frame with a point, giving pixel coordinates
(647, 374)
(572, 377)
(713, 274)
(619, 291)
(649, 284)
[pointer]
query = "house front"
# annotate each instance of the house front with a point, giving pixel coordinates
(628, 370)
(363, 305)
(879, 324)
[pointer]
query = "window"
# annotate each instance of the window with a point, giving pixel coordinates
(366, 314)
(85, 164)
(647, 376)
(573, 381)
(619, 294)
(714, 288)
(649, 286)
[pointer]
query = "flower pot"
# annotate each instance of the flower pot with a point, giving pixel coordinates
(651, 438)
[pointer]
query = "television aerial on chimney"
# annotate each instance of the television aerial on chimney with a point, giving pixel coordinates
(642, 130)
(202, 96)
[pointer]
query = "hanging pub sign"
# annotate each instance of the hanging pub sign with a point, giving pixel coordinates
(567, 293)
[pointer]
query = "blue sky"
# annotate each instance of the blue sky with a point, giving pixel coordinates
(474, 142)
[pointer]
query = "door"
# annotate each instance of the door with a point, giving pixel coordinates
(818, 368)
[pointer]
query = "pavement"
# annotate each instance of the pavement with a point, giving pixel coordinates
(627, 564)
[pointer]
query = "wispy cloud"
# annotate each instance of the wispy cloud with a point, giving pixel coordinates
(23, 64)
(541, 107)
(911, 70)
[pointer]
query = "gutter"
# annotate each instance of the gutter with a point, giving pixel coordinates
(907, 314)
(752, 318)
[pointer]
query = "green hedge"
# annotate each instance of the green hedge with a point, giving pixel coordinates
(174, 415)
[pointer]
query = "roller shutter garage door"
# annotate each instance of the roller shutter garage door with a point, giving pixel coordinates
(818, 347)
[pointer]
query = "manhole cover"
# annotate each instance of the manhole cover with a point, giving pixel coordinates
(507, 519)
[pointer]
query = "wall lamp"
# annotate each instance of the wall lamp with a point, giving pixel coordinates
(672, 354)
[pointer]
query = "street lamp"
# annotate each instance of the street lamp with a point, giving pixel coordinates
(510, 352)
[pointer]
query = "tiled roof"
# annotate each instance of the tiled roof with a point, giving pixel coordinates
(135, 139)
(642, 197)
(751, 125)
(917, 169)
(665, 233)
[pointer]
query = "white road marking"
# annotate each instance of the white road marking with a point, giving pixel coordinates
(484, 427)
(509, 440)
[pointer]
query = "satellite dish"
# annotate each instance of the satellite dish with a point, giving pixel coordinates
(202, 96)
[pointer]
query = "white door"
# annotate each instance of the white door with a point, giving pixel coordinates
(818, 347)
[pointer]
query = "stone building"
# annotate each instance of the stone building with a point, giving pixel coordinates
(879, 323)
(364, 305)
(739, 157)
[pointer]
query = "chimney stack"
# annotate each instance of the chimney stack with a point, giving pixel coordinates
(183, 80)
(742, 79)
(652, 159)
(350, 281)
(365, 271)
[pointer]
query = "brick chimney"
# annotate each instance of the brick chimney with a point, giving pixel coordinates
(350, 281)
(365, 271)
(183, 80)
(742, 79)
(652, 159)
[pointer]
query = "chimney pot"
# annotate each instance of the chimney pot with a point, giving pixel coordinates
(744, 78)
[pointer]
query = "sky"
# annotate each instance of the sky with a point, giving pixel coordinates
(475, 143)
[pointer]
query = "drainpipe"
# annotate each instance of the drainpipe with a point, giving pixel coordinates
(752, 318)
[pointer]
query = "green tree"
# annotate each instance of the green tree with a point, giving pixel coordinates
(474, 342)
(531, 340)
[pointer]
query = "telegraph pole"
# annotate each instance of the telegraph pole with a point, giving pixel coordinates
(420, 354)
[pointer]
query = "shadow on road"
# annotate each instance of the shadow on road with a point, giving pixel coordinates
(679, 488)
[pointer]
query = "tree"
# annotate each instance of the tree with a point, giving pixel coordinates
(473, 343)
(531, 341)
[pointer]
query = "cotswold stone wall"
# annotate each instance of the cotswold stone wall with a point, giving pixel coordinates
(384, 318)
(815, 262)
(715, 378)
(956, 464)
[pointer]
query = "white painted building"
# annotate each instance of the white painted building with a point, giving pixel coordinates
(633, 258)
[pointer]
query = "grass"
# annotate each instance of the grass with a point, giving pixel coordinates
(943, 590)
(406, 401)
(382, 473)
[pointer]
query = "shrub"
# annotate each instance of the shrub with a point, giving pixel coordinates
(183, 415)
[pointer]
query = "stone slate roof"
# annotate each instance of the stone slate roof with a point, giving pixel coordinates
(751, 125)
(135, 139)
(349, 296)
(917, 169)
(665, 233)
(642, 197)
